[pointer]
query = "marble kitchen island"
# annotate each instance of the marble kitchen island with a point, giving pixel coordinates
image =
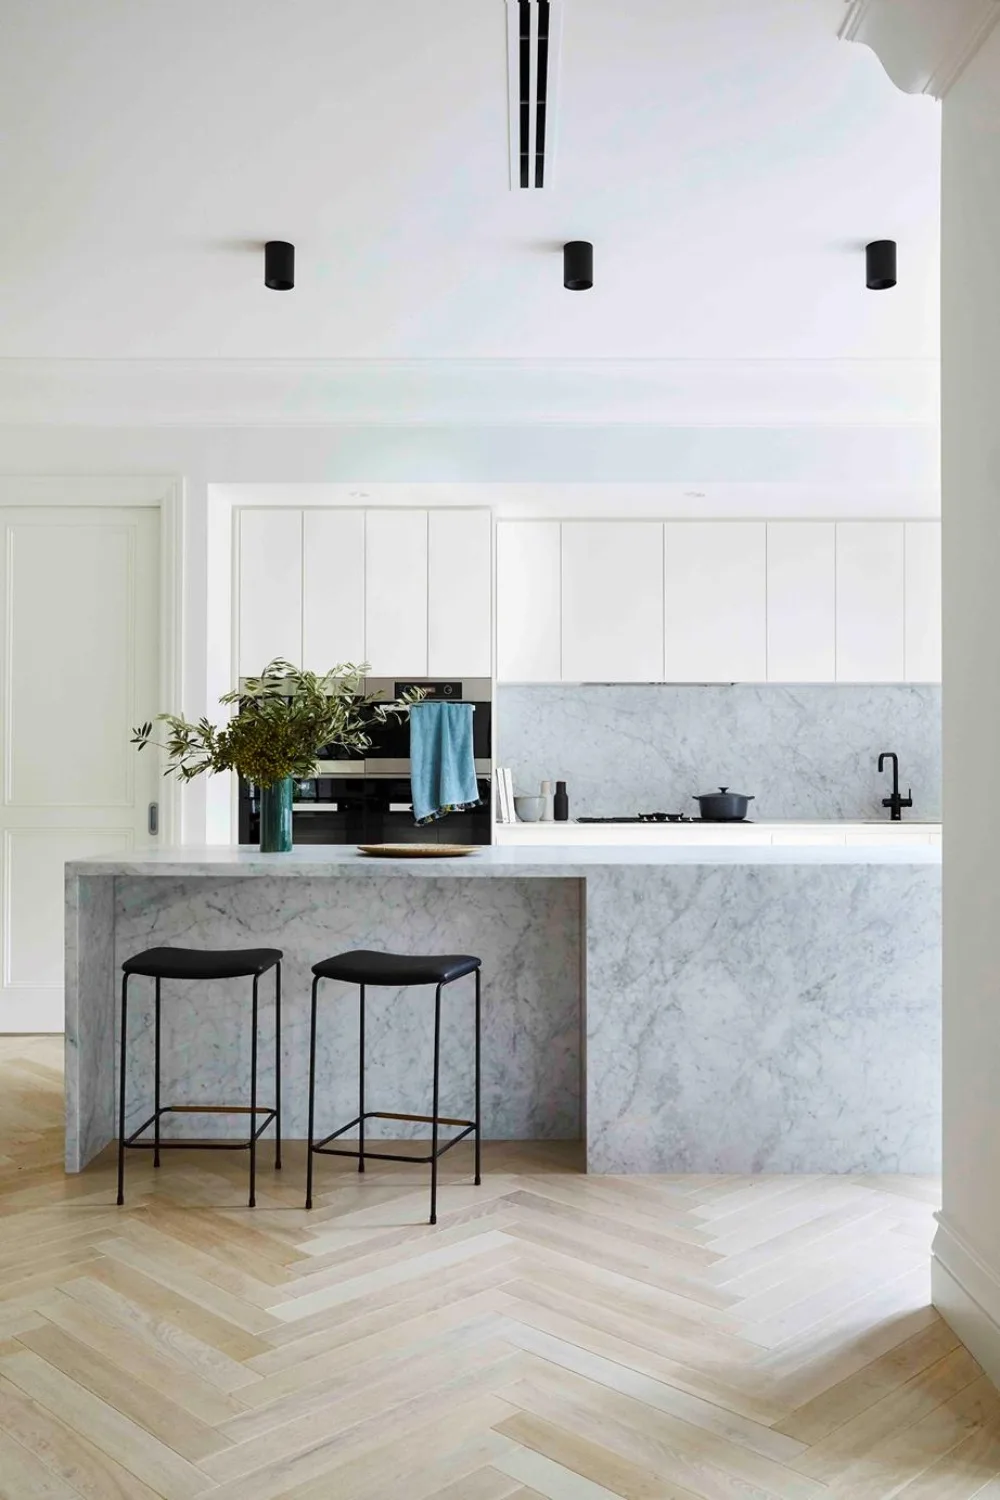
(680, 1008)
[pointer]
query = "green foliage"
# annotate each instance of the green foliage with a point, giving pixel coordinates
(283, 719)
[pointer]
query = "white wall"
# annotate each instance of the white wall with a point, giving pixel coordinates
(967, 1268)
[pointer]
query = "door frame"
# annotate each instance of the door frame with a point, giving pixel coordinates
(164, 493)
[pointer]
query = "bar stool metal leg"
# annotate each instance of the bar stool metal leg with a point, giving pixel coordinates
(253, 1101)
(312, 1097)
(434, 1108)
(277, 1067)
(361, 1086)
(156, 1081)
(121, 1092)
(478, 1073)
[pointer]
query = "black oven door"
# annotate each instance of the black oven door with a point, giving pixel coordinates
(366, 810)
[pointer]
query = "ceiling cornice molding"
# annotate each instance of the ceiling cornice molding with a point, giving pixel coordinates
(923, 45)
(481, 393)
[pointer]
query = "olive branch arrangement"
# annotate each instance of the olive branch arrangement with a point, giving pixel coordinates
(284, 718)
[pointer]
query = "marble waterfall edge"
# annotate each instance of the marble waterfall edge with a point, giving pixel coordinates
(751, 1010)
(773, 1019)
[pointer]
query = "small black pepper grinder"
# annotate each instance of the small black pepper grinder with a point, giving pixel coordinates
(560, 807)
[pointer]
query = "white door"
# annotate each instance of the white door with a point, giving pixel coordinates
(79, 622)
(396, 592)
(923, 601)
(333, 589)
(612, 601)
(801, 601)
(529, 628)
(459, 593)
(715, 601)
(871, 601)
(269, 612)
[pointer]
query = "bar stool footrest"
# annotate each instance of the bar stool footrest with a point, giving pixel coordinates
(132, 1142)
(322, 1148)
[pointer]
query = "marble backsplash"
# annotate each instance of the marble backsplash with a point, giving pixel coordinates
(804, 752)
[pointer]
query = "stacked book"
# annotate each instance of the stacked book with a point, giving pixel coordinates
(504, 795)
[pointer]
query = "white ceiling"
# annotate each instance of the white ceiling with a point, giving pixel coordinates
(728, 159)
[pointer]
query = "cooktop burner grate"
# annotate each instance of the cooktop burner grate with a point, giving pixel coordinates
(658, 817)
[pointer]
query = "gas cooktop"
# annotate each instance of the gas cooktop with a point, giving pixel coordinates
(657, 817)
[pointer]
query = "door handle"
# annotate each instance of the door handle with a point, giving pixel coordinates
(153, 819)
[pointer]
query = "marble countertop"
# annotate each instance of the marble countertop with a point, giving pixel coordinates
(338, 861)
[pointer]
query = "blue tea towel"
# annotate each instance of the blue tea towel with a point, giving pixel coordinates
(442, 766)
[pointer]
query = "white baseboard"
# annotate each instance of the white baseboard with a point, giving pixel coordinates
(966, 1292)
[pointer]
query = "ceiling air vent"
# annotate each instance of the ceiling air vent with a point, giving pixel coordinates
(533, 35)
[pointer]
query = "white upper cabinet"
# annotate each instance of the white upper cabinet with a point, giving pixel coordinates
(460, 593)
(612, 601)
(923, 601)
(801, 601)
(529, 628)
(333, 588)
(871, 599)
(715, 601)
(408, 591)
(270, 588)
(396, 592)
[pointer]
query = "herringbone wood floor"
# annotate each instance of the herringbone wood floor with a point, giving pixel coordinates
(555, 1335)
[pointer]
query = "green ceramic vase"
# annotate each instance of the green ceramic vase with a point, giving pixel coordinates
(276, 817)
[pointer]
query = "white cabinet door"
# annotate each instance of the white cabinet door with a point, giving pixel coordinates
(923, 601)
(715, 601)
(270, 588)
(333, 588)
(79, 651)
(870, 601)
(460, 593)
(528, 601)
(801, 601)
(396, 592)
(612, 601)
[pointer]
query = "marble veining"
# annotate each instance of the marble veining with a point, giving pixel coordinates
(766, 1020)
(528, 937)
(804, 752)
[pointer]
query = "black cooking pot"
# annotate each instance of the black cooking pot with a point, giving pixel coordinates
(723, 806)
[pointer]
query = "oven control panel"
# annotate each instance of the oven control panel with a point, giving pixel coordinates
(431, 689)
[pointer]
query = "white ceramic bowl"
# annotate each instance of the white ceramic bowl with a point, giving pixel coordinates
(529, 809)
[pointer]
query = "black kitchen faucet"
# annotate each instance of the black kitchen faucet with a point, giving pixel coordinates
(895, 802)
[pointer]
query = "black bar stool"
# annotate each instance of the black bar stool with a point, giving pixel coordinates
(200, 963)
(393, 970)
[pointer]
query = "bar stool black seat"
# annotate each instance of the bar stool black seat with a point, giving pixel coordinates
(204, 964)
(395, 970)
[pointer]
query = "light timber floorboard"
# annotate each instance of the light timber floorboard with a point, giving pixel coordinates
(554, 1337)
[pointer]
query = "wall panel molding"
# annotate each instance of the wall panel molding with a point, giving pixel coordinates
(304, 393)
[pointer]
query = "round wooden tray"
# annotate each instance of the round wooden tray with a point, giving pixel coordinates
(416, 851)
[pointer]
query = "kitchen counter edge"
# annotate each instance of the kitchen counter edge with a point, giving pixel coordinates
(340, 861)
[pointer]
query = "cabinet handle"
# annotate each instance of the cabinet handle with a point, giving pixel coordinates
(153, 820)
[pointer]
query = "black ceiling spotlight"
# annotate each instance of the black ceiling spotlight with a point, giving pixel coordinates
(880, 265)
(578, 266)
(279, 265)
